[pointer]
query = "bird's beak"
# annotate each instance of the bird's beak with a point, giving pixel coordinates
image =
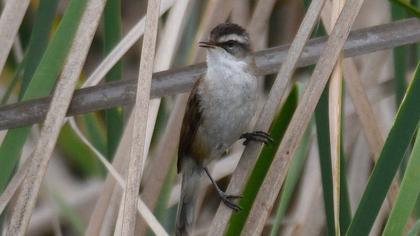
(207, 44)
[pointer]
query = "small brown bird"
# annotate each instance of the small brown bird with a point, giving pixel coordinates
(219, 109)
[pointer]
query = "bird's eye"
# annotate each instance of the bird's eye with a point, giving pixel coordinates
(230, 43)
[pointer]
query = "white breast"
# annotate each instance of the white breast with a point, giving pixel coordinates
(228, 100)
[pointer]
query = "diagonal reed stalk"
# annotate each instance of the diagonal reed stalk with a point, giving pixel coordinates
(275, 176)
(10, 20)
(55, 117)
(244, 167)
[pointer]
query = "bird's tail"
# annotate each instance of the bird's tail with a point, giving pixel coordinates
(186, 207)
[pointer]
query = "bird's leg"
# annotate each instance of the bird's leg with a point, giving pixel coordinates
(226, 199)
(258, 136)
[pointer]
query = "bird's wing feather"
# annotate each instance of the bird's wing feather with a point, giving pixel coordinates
(191, 122)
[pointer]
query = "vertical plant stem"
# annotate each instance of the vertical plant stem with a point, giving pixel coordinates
(140, 119)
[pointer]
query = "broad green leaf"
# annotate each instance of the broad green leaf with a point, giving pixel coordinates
(395, 146)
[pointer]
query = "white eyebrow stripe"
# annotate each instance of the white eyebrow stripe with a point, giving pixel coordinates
(233, 37)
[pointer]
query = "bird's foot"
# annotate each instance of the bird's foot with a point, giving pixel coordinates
(258, 136)
(228, 201)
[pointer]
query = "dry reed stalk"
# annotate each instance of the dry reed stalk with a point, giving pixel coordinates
(216, 12)
(140, 119)
(359, 98)
(121, 48)
(169, 42)
(248, 159)
(241, 12)
(334, 115)
(109, 220)
(259, 20)
(278, 169)
(110, 60)
(55, 117)
(13, 185)
(168, 143)
(362, 41)
(164, 56)
(364, 111)
(119, 163)
(80, 201)
(10, 20)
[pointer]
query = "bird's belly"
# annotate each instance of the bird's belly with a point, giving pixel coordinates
(225, 126)
(228, 111)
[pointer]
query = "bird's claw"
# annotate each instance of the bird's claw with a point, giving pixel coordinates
(227, 200)
(258, 136)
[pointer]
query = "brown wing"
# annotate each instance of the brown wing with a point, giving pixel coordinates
(190, 124)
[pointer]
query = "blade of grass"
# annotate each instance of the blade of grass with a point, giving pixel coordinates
(275, 176)
(42, 82)
(90, 13)
(407, 195)
(277, 130)
(112, 35)
(292, 178)
(323, 131)
(400, 58)
(43, 21)
(391, 156)
(140, 111)
(244, 168)
(10, 20)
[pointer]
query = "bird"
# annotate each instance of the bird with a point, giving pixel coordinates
(220, 107)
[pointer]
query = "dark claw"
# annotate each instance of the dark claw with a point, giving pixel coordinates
(258, 136)
(226, 199)
(233, 196)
